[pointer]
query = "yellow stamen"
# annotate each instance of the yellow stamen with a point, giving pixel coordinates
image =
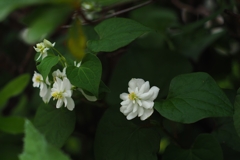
(38, 79)
(132, 96)
(57, 95)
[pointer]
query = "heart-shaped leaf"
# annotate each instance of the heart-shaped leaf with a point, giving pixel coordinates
(193, 97)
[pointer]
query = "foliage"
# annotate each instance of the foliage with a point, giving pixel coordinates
(71, 110)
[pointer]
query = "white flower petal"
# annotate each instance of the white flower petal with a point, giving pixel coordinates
(144, 88)
(139, 82)
(124, 96)
(70, 104)
(59, 103)
(67, 84)
(155, 91)
(47, 96)
(43, 90)
(126, 102)
(135, 107)
(90, 98)
(128, 108)
(132, 115)
(147, 113)
(147, 104)
(146, 96)
(140, 111)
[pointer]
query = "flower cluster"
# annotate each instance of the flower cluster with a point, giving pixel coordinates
(139, 101)
(43, 47)
(59, 88)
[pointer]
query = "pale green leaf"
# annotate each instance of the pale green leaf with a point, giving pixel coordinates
(37, 148)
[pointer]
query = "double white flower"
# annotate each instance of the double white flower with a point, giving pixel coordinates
(43, 47)
(139, 100)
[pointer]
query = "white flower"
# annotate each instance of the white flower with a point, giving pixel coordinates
(43, 47)
(77, 64)
(48, 44)
(139, 101)
(44, 90)
(59, 74)
(62, 92)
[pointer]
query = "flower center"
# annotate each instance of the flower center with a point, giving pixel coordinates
(38, 79)
(57, 95)
(132, 96)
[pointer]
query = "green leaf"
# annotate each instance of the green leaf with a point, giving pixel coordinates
(55, 124)
(193, 97)
(45, 21)
(236, 116)
(37, 148)
(88, 75)
(13, 88)
(115, 33)
(12, 125)
(205, 147)
(119, 139)
(46, 65)
(157, 67)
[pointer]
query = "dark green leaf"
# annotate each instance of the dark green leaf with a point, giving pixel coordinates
(13, 88)
(88, 75)
(46, 65)
(37, 148)
(205, 147)
(193, 97)
(155, 17)
(12, 125)
(226, 133)
(115, 33)
(118, 139)
(55, 124)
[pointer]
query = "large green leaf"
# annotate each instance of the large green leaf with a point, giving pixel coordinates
(193, 97)
(12, 125)
(205, 147)
(55, 124)
(115, 33)
(13, 88)
(88, 75)
(37, 148)
(118, 139)
(157, 67)
(46, 65)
